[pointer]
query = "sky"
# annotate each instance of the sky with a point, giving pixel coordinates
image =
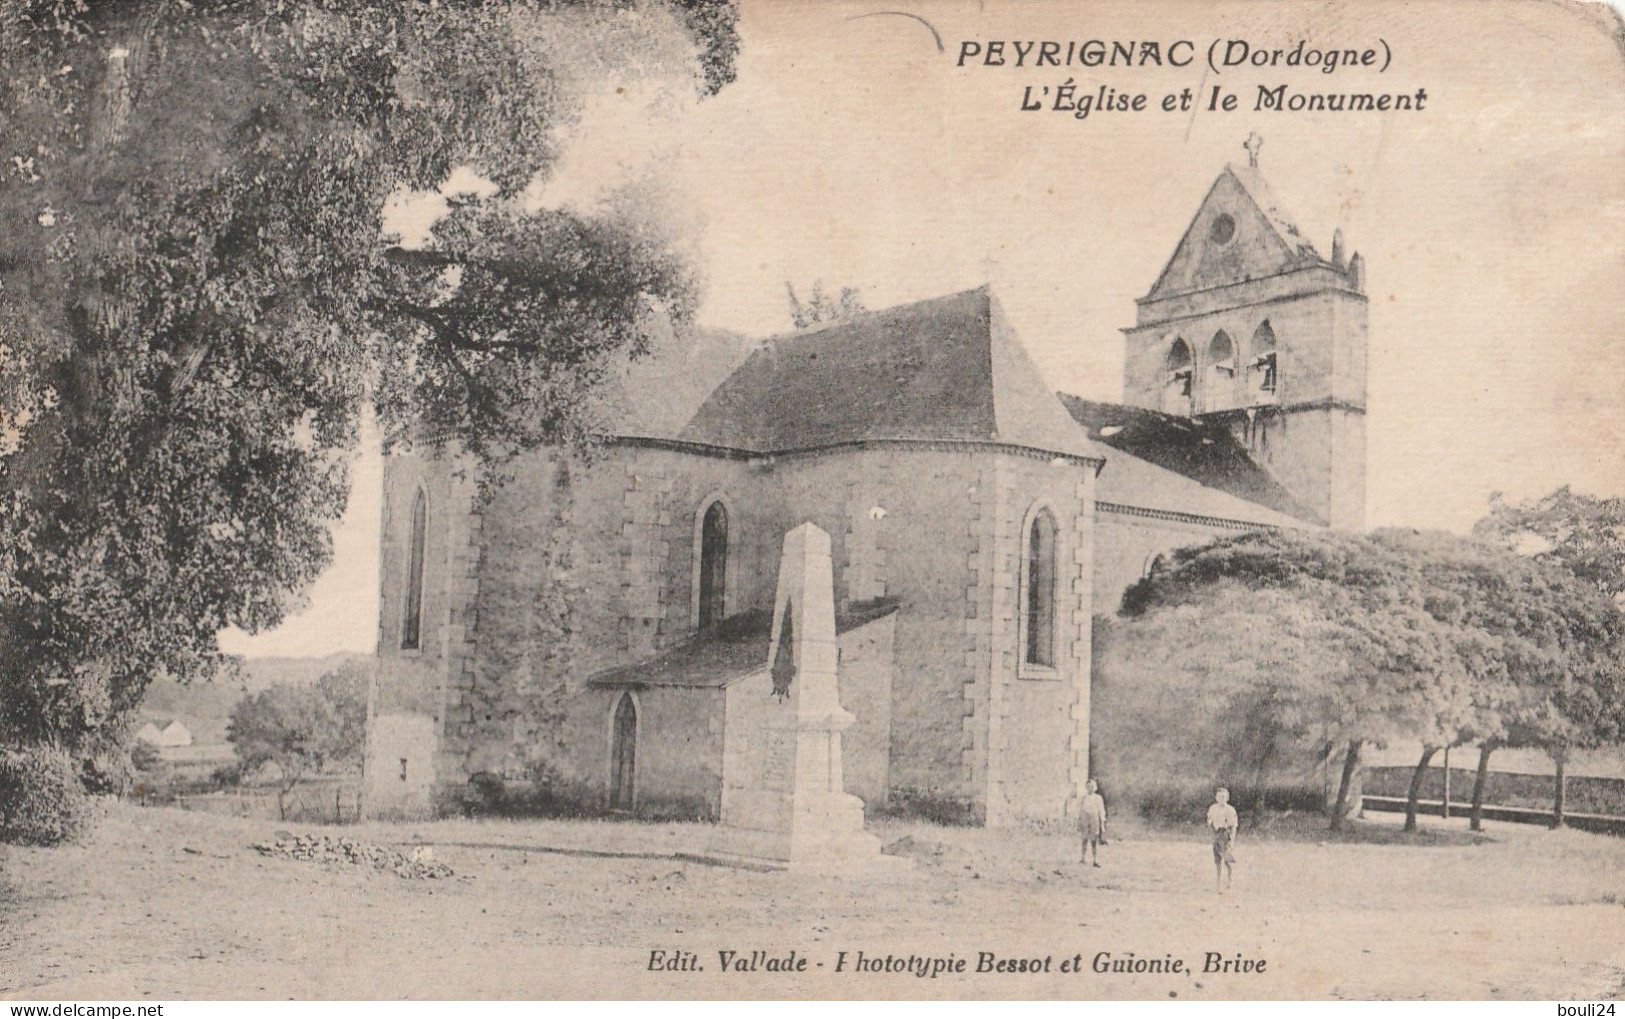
(851, 150)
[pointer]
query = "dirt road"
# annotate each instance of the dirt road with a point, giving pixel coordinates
(168, 905)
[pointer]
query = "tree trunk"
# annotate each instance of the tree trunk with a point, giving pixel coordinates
(1480, 785)
(1561, 793)
(1416, 785)
(1351, 761)
(1444, 807)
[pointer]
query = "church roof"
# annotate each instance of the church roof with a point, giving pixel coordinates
(945, 369)
(732, 651)
(1166, 462)
(1261, 239)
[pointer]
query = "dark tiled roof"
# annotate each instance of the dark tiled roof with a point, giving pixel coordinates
(734, 650)
(1204, 452)
(942, 369)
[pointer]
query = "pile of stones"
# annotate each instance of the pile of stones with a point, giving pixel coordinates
(419, 865)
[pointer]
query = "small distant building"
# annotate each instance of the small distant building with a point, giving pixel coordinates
(165, 732)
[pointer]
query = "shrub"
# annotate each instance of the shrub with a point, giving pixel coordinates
(539, 791)
(906, 802)
(144, 757)
(42, 799)
(487, 794)
(107, 773)
(554, 799)
(227, 776)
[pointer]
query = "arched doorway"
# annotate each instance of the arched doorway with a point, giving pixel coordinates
(623, 755)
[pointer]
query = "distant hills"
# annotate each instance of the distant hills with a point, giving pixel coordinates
(205, 708)
(260, 673)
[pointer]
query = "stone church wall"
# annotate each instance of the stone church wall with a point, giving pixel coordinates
(406, 766)
(866, 677)
(900, 522)
(586, 567)
(679, 749)
(575, 567)
(1027, 753)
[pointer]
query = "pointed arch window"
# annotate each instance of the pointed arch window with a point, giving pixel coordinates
(1263, 370)
(1038, 592)
(623, 754)
(713, 565)
(1180, 366)
(1221, 358)
(412, 619)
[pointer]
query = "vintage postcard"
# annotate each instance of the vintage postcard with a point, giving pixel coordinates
(691, 499)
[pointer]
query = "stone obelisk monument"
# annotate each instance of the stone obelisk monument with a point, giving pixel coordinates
(789, 804)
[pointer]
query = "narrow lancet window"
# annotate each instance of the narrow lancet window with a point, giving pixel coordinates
(1039, 592)
(713, 565)
(412, 620)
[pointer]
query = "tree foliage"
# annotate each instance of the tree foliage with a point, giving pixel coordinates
(197, 295)
(1397, 635)
(1584, 534)
(345, 688)
(1224, 688)
(301, 729)
(821, 306)
(42, 801)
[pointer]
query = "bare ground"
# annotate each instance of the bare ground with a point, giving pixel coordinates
(165, 904)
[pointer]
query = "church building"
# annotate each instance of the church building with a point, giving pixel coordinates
(594, 635)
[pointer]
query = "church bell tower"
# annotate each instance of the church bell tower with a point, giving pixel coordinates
(1251, 328)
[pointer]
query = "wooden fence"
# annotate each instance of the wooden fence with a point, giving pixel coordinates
(322, 802)
(1604, 824)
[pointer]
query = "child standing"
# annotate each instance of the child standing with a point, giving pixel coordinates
(1092, 822)
(1222, 821)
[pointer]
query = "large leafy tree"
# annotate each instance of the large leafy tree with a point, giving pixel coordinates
(1396, 635)
(300, 729)
(1561, 708)
(1584, 534)
(197, 295)
(1548, 639)
(1371, 666)
(1225, 683)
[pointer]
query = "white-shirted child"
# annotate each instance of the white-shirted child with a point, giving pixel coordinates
(1222, 820)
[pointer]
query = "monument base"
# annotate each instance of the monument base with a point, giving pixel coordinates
(825, 835)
